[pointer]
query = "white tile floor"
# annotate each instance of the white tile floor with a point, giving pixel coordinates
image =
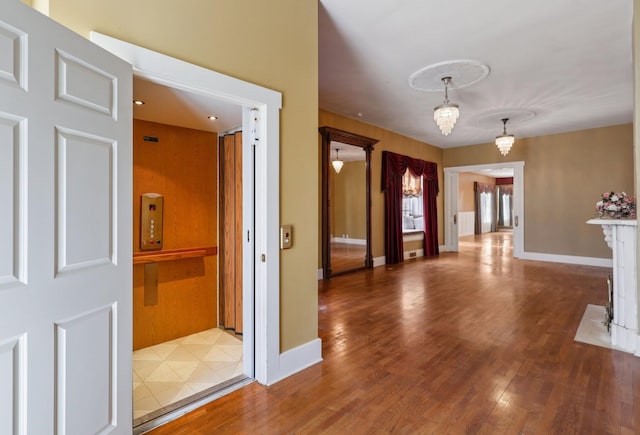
(166, 373)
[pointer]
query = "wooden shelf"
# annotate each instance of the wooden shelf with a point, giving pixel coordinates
(173, 254)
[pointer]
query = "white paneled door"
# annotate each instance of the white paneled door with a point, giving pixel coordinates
(65, 230)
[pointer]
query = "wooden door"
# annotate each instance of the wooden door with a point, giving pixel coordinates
(65, 230)
(230, 252)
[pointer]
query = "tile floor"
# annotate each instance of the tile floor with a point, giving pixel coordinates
(169, 372)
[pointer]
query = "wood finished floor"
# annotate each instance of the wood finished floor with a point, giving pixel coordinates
(472, 342)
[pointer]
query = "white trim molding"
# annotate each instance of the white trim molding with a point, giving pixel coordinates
(568, 259)
(349, 241)
(298, 359)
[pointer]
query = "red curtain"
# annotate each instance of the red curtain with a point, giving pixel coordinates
(393, 168)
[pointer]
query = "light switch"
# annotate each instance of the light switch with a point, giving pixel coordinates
(286, 237)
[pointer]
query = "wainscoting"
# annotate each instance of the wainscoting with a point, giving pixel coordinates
(466, 223)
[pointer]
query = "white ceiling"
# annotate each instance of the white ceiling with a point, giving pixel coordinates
(184, 109)
(568, 62)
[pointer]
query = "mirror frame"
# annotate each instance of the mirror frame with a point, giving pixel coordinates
(330, 134)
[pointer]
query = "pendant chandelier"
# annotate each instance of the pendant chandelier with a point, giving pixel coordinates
(447, 113)
(504, 141)
(337, 163)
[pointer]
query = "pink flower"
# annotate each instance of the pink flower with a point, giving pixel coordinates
(616, 205)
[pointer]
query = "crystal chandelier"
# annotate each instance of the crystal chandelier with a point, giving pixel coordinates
(447, 113)
(337, 163)
(504, 141)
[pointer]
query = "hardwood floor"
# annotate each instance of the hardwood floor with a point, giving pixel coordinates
(472, 342)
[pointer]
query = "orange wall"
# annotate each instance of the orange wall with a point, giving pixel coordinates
(182, 166)
(466, 197)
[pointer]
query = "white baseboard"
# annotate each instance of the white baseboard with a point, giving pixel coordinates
(349, 241)
(298, 359)
(536, 256)
(569, 259)
(379, 261)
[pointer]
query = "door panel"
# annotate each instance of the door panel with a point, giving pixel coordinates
(12, 378)
(82, 83)
(86, 341)
(237, 250)
(12, 180)
(228, 272)
(65, 230)
(85, 199)
(231, 234)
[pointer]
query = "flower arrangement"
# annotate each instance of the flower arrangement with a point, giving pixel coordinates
(616, 206)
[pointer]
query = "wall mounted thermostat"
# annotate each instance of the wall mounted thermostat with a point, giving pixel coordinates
(286, 237)
(151, 221)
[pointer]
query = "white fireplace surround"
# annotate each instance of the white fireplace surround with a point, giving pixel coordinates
(621, 237)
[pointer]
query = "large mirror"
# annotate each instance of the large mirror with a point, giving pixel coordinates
(346, 201)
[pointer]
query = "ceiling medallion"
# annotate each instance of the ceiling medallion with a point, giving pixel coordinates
(462, 73)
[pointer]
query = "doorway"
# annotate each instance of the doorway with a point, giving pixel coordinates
(182, 350)
(452, 216)
(260, 216)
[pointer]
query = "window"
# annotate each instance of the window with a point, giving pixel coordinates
(486, 203)
(412, 204)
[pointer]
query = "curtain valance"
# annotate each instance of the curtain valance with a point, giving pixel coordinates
(506, 190)
(483, 188)
(397, 164)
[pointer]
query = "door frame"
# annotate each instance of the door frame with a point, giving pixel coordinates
(261, 122)
(451, 203)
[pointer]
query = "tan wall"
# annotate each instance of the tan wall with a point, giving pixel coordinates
(396, 143)
(272, 44)
(466, 196)
(349, 205)
(564, 176)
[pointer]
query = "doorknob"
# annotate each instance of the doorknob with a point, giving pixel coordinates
(516, 221)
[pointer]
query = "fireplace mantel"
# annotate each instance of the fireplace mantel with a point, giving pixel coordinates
(621, 236)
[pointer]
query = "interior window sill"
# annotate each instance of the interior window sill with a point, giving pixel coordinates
(408, 232)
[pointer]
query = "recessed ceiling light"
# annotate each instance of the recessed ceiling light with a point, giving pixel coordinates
(212, 118)
(138, 102)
